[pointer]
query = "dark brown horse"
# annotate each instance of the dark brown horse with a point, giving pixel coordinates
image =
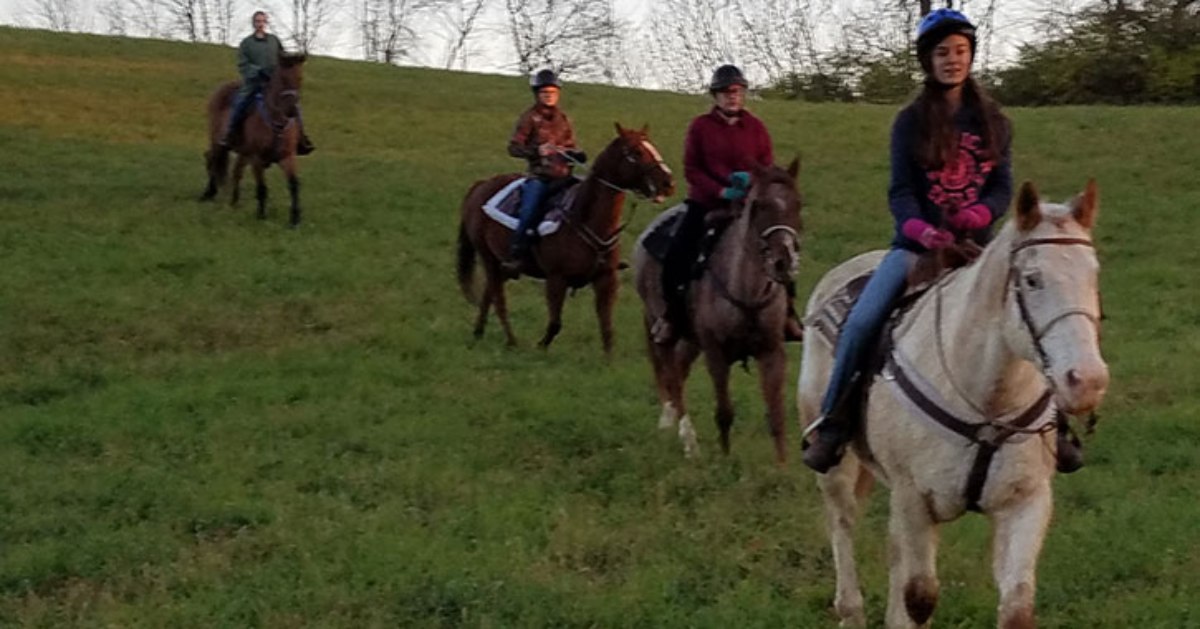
(269, 134)
(736, 308)
(585, 250)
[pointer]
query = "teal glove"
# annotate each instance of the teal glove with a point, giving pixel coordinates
(740, 180)
(732, 194)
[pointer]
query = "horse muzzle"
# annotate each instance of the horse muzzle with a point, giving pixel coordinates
(1081, 389)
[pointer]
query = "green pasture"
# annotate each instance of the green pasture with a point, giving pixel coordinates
(212, 421)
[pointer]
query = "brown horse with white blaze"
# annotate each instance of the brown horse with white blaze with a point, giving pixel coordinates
(736, 308)
(584, 251)
(270, 134)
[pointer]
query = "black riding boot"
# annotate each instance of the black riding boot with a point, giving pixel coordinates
(827, 443)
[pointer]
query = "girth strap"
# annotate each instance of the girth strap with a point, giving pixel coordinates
(988, 436)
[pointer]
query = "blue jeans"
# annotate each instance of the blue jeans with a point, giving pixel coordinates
(865, 319)
(242, 102)
(532, 192)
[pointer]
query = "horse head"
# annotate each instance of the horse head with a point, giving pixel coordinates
(284, 87)
(1053, 283)
(640, 168)
(772, 209)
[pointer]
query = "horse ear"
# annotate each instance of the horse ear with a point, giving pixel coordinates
(645, 129)
(793, 168)
(1086, 205)
(620, 129)
(1028, 212)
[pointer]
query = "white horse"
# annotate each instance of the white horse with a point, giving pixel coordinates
(999, 346)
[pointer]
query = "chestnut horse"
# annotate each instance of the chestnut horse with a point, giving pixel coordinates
(269, 134)
(736, 308)
(960, 416)
(583, 251)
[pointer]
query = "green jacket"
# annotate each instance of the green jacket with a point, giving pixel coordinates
(255, 55)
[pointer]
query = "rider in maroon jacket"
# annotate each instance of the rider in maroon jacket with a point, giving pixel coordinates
(721, 149)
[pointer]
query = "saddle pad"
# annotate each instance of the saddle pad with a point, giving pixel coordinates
(829, 318)
(658, 235)
(505, 205)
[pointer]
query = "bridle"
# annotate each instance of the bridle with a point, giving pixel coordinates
(599, 244)
(1035, 335)
(1022, 305)
(764, 247)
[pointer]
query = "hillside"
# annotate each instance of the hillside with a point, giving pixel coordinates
(208, 420)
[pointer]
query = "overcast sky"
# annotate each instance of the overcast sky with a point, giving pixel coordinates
(1015, 23)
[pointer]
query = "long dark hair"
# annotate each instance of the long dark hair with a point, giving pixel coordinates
(937, 138)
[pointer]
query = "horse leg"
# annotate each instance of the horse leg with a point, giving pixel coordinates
(912, 550)
(681, 357)
(556, 293)
(484, 303)
(605, 287)
(239, 168)
(662, 362)
(1016, 544)
(214, 158)
(842, 508)
(718, 369)
(288, 164)
(260, 189)
(772, 366)
(495, 290)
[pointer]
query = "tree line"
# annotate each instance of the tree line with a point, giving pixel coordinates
(1103, 51)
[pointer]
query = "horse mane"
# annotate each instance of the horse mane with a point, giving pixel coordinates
(581, 205)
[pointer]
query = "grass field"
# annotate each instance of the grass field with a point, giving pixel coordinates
(208, 420)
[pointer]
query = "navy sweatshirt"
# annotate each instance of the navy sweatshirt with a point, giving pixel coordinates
(931, 195)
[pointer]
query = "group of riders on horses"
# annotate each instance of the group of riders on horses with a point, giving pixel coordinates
(951, 180)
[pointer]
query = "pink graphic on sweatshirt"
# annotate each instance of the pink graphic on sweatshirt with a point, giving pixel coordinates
(960, 181)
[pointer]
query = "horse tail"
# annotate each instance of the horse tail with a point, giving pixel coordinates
(466, 264)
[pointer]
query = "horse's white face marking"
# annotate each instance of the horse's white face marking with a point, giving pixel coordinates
(650, 148)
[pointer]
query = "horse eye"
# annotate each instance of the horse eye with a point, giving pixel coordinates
(1033, 280)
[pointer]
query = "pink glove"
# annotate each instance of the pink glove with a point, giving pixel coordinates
(929, 236)
(970, 218)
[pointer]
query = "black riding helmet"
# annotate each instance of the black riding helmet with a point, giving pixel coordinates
(937, 26)
(544, 78)
(726, 76)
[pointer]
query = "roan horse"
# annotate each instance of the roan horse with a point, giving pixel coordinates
(585, 251)
(263, 141)
(736, 309)
(995, 349)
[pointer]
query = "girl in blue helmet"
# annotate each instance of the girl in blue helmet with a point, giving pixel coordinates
(951, 179)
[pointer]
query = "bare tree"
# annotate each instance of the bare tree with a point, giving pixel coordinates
(460, 19)
(115, 17)
(386, 28)
(57, 15)
(777, 36)
(560, 34)
(144, 17)
(689, 38)
(304, 19)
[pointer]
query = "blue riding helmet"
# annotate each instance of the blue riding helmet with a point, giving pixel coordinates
(937, 26)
